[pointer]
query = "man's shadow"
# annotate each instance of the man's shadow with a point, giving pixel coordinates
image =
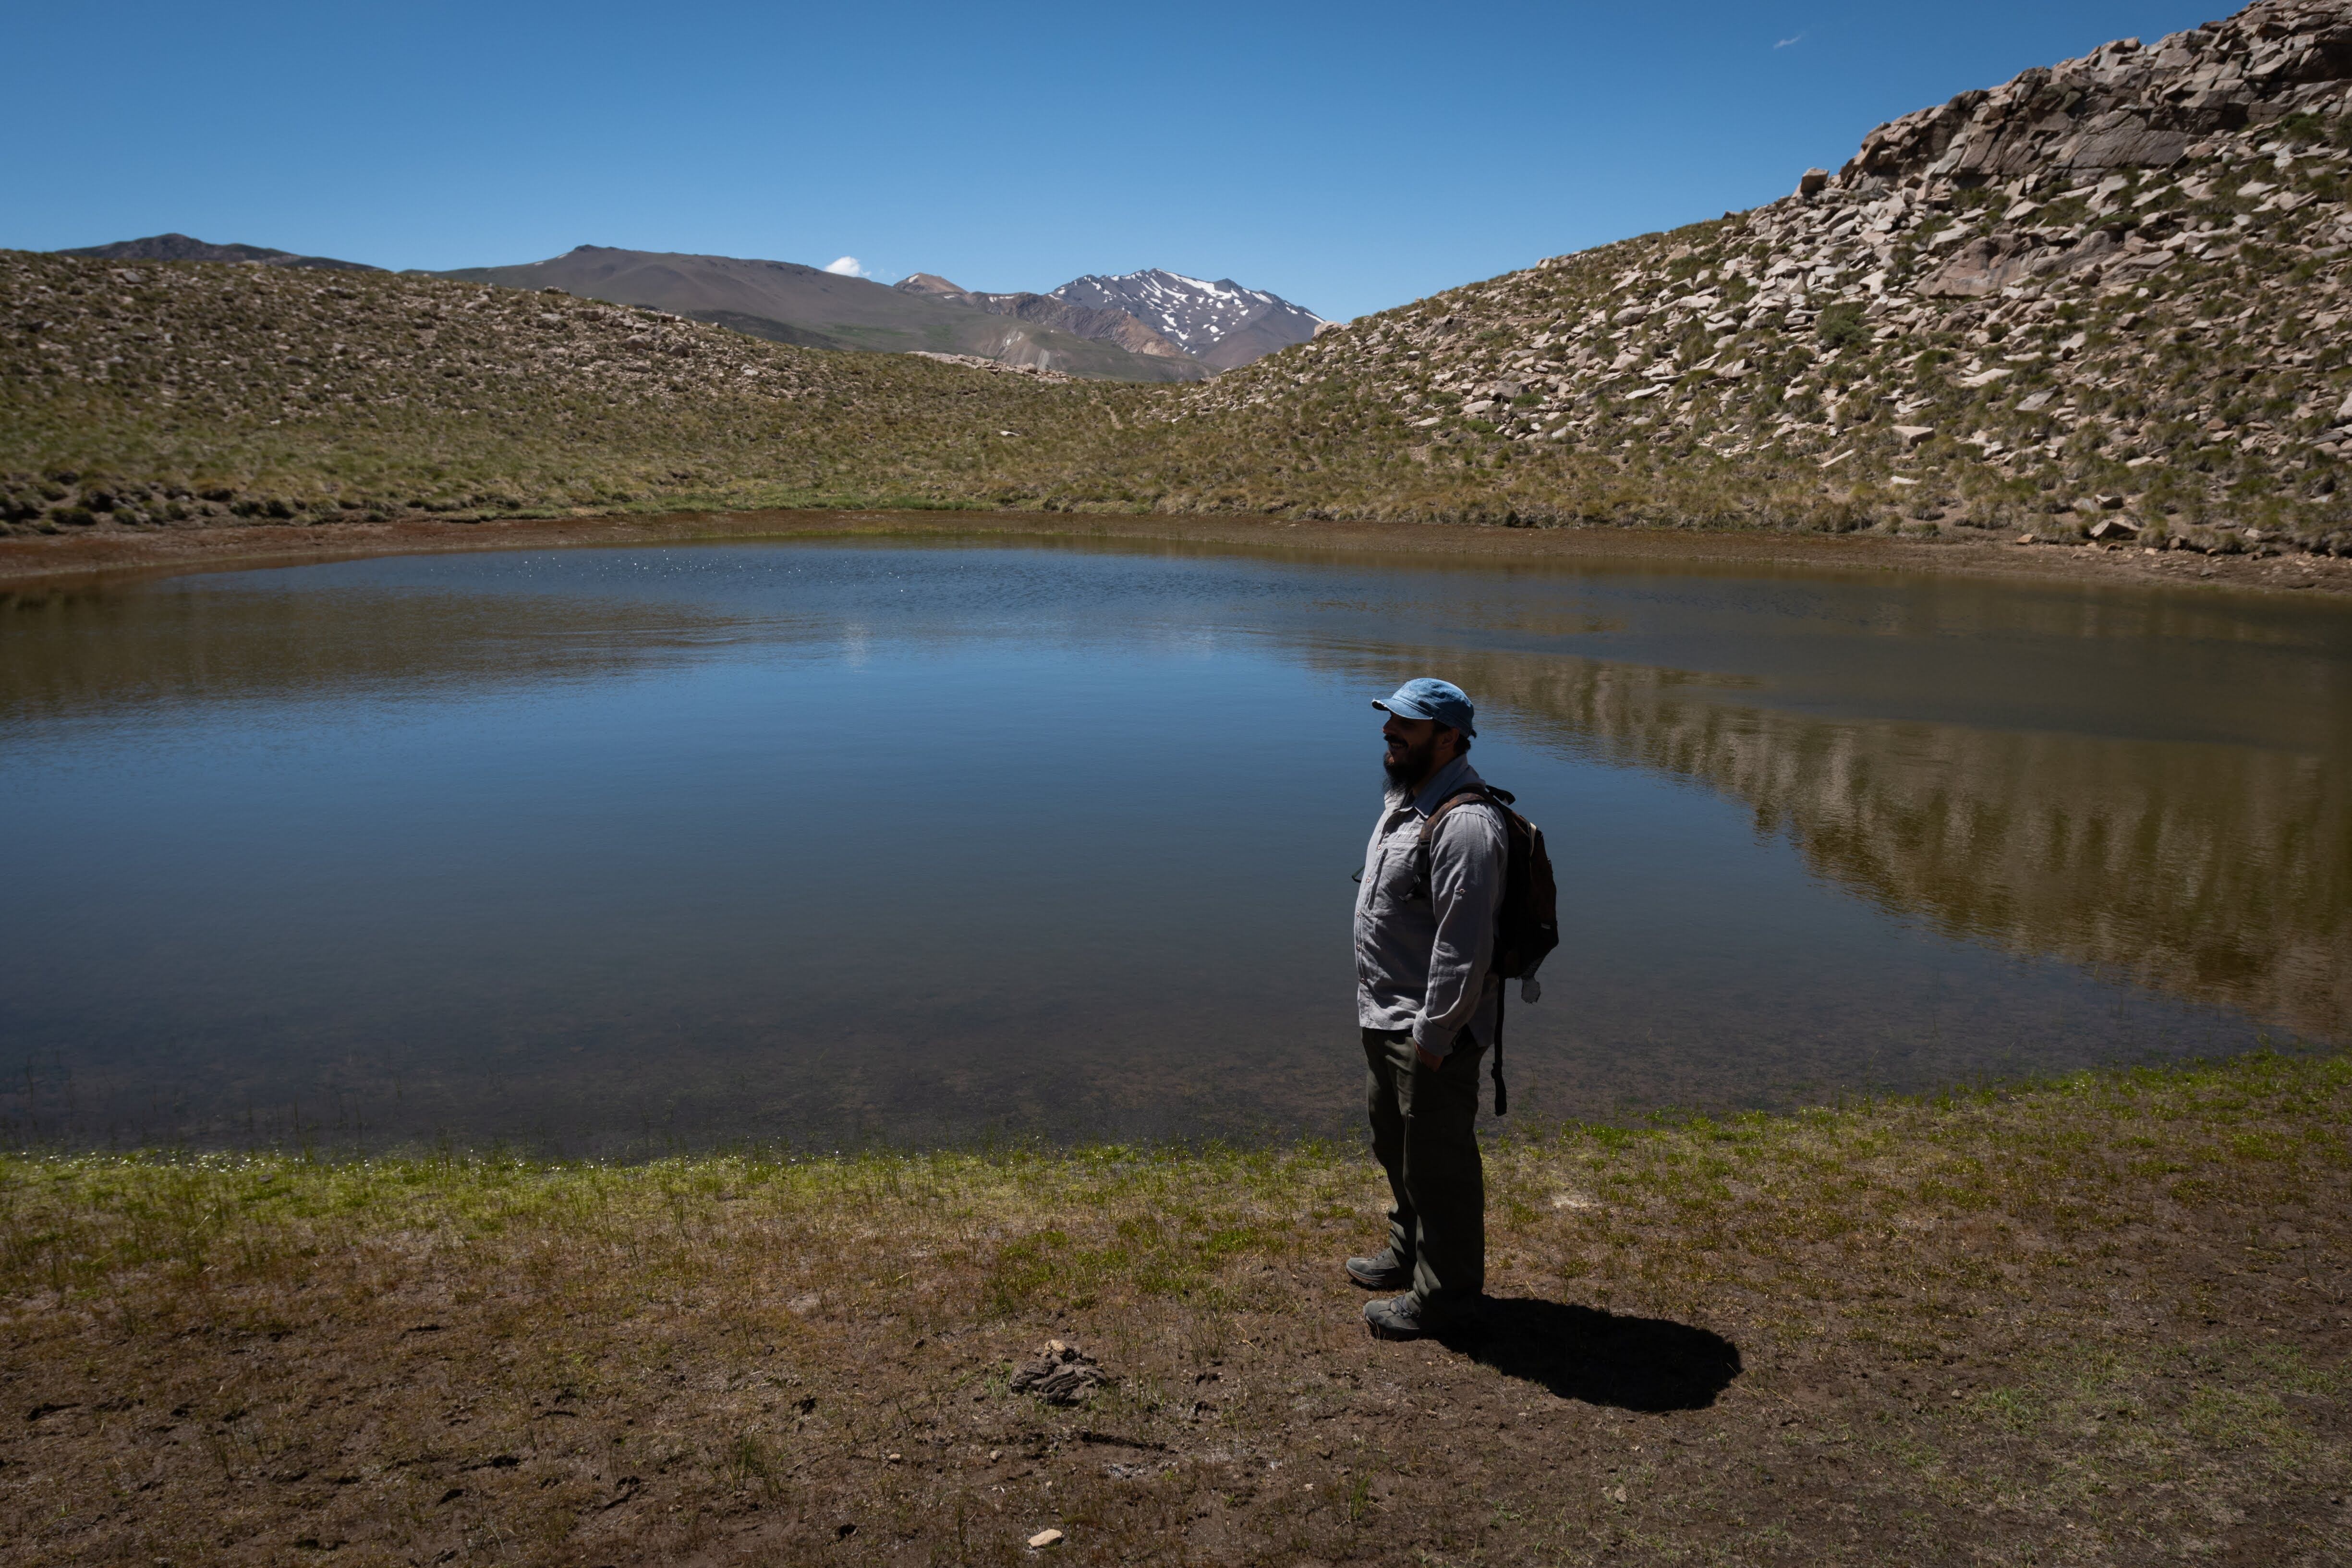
(1582, 1352)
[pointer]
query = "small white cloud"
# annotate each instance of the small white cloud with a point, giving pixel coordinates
(1786, 42)
(846, 267)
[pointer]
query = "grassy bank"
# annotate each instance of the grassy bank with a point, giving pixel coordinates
(2105, 1321)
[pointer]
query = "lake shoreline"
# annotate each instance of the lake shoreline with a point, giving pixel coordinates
(105, 554)
(2101, 1319)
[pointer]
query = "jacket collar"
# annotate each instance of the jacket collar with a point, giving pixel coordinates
(1447, 782)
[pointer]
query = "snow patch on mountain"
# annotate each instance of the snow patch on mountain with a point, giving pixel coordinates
(1212, 321)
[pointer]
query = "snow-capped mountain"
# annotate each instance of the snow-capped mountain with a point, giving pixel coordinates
(1221, 324)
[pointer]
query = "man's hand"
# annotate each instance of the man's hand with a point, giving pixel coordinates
(1431, 1062)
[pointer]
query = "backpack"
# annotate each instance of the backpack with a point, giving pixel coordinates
(1526, 928)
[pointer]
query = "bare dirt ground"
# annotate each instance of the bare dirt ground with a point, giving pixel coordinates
(2108, 1322)
(108, 550)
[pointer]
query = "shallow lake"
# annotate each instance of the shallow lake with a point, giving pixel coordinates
(612, 851)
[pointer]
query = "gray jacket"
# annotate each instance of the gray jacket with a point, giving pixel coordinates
(1422, 951)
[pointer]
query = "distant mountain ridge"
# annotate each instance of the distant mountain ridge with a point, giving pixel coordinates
(1084, 321)
(1094, 327)
(787, 303)
(183, 247)
(1221, 325)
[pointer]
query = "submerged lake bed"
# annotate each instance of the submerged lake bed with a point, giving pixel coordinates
(613, 851)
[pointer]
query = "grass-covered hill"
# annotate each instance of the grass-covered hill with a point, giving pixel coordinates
(2104, 299)
(187, 392)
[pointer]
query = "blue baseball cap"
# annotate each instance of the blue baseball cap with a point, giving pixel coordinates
(1426, 698)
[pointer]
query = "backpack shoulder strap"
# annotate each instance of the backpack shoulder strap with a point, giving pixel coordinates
(1478, 794)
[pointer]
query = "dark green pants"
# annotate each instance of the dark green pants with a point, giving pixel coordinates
(1424, 1134)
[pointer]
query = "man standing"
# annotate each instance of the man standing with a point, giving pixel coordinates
(1424, 939)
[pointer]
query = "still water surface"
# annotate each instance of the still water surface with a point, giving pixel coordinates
(609, 851)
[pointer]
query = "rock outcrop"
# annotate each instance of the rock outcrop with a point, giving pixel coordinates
(2122, 107)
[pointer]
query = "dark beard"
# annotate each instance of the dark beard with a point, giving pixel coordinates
(1410, 769)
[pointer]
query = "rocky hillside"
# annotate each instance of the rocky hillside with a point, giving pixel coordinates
(2104, 299)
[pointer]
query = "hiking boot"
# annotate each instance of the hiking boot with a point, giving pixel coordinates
(1395, 1317)
(1381, 1271)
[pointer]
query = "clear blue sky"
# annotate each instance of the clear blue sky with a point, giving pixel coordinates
(1348, 156)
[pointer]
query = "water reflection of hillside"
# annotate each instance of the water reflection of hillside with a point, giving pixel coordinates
(2201, 843)
(76, 652)
(2219, 873)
